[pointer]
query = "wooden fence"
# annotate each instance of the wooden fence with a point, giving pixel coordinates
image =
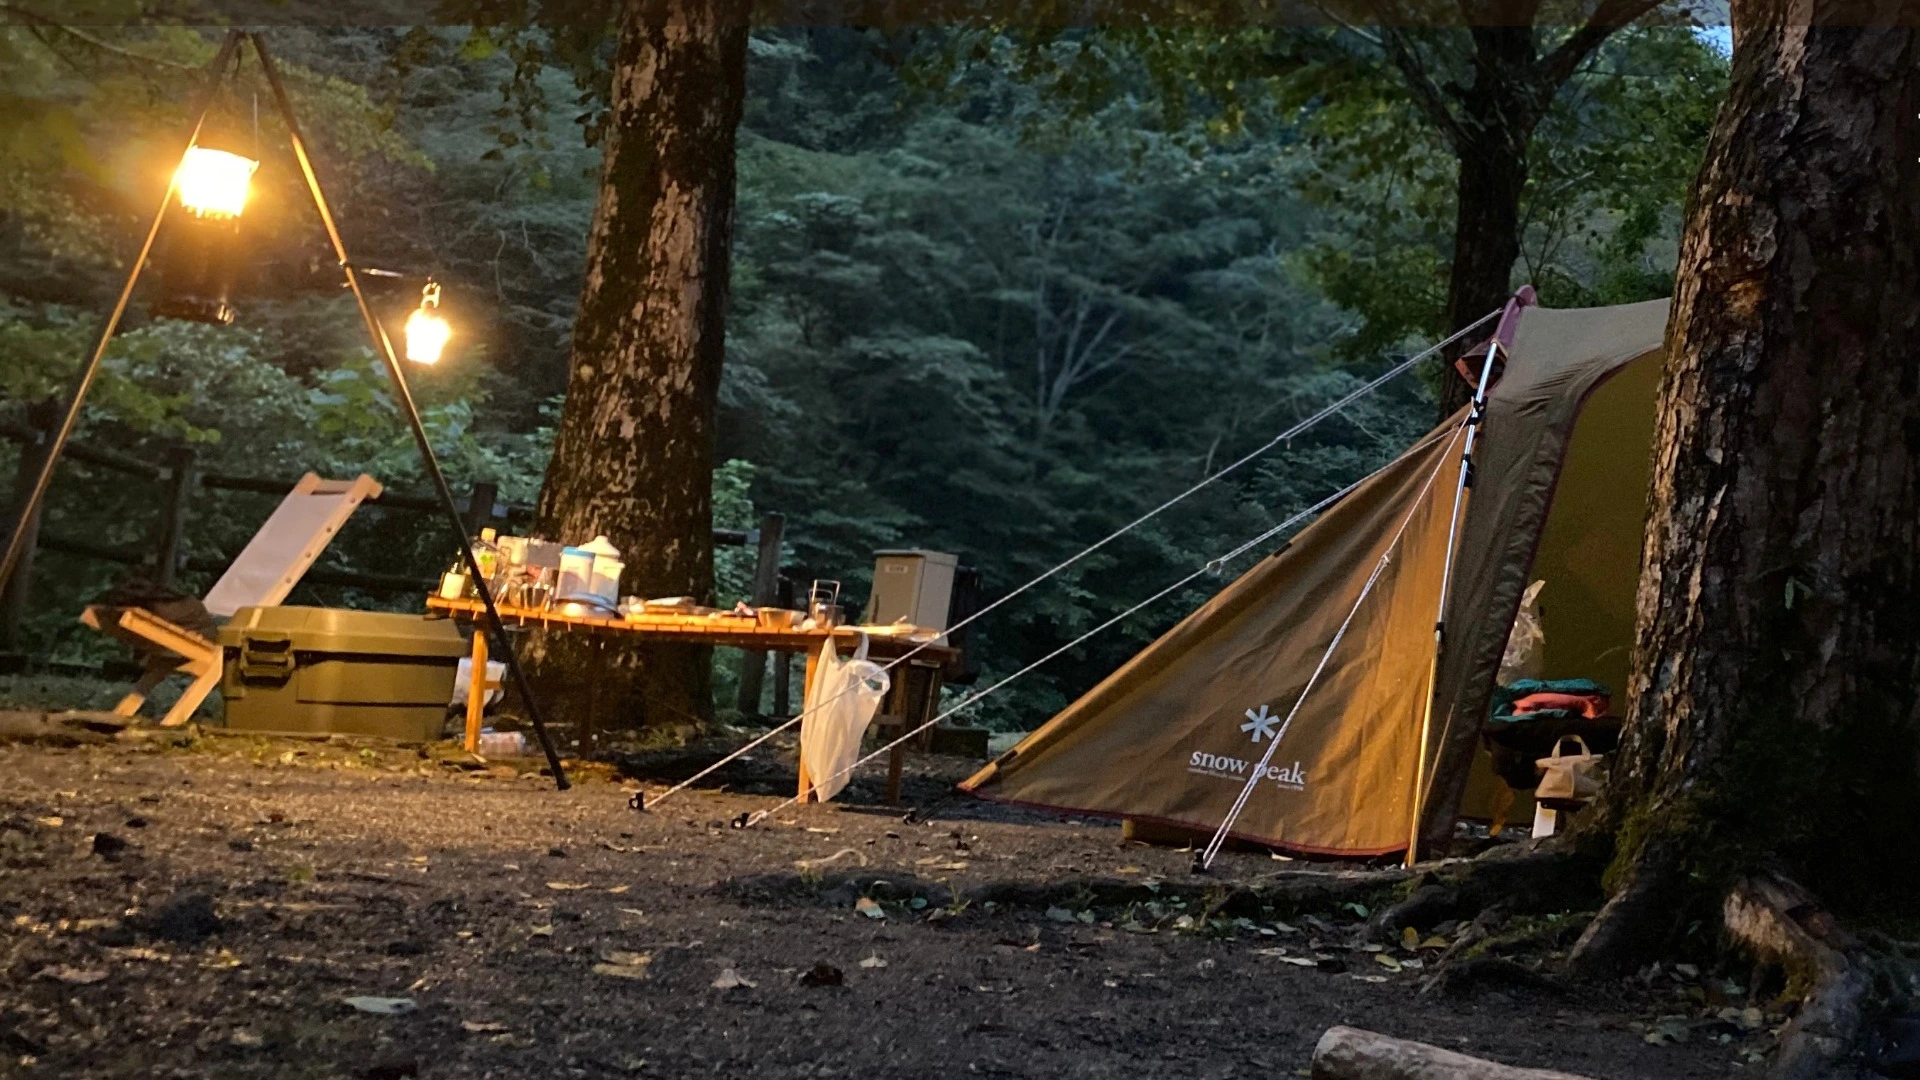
(164, 557)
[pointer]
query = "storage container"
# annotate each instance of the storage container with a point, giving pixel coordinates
(321, 671)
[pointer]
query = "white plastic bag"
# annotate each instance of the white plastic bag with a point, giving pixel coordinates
(463, 677)
(840, 704)
(1526, 656)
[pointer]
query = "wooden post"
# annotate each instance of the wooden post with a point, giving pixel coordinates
(783, 661)
(173, 516)
(766, 587)
(33, 456)
(480, 502)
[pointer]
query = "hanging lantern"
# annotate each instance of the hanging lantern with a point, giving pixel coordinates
(214, 183)
(427, 331)
(203, 242)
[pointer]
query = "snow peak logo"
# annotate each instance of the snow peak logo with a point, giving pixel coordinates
(1291, 777)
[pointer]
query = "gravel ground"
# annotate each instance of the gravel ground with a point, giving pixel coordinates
(208, 911)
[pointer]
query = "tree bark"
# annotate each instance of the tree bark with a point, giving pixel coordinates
(634, 454)
(1774, 710)
(1493, 125)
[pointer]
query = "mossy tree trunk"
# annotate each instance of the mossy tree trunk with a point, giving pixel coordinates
(634, 454)
(1775, 699)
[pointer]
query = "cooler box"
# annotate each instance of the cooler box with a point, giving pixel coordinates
(323, 671)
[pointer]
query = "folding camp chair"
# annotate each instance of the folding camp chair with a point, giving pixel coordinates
(265, 572)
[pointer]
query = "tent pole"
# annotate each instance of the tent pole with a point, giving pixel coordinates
(383, 346)
(1475, 417)
(37, 492)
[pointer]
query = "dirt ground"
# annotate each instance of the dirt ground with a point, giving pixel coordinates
(208, 911)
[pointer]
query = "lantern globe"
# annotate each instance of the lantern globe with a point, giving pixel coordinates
(427, 330)
(214, 183)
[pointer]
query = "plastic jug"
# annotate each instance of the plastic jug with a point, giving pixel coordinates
(604, 577)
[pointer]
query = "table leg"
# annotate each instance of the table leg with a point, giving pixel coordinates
(806, 703)
(477, 689)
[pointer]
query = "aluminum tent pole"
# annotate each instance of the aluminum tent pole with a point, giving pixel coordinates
(37, 493)
(384, 347)
(1476, 416)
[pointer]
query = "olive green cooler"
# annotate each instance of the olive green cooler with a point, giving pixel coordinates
(324, 671)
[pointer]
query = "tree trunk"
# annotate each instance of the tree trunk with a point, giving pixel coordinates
(1776, 690)
(1491, 127)
(634, 455)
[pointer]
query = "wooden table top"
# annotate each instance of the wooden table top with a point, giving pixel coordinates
(720, 628)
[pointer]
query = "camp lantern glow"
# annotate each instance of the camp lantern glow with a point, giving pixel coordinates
(214, 183)
(427, 332)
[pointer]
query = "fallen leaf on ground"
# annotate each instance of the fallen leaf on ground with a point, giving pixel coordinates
(381, 1006)
(222, 959)
(869, 907)
(1127, 870)
(481, 1027)
(138, 952)
(72, 975)
(567, 886)
(873, 962)
(1368, 978)
(618, 889)
(1386, 961)
(1299, 961)
(729, 979)
(1409, 938)
(1669, 1029)
(1435, 942)
(541, 931)
(51, 821)
(1285, 928)
(625, 965)
(245, 1040)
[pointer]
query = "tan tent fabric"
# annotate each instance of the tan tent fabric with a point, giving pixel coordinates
(1171, 736)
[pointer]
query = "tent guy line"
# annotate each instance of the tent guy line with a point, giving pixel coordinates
(1289, 434)
(1211, 566)
(1204, 861)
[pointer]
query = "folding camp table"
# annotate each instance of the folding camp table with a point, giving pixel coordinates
(911, 699)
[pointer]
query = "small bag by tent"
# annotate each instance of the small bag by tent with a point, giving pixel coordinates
(1345, 615)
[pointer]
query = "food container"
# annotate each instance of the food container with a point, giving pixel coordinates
(576, 572)
(606, 578)
(779, 618)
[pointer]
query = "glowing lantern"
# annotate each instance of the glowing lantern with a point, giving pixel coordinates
(202, 253)
(214, 183)
(427, 331)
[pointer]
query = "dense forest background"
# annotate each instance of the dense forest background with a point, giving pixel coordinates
(974, 307)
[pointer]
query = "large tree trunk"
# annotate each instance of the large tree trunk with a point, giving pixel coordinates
(1775, 699)
(634, 454)
(1491, 128)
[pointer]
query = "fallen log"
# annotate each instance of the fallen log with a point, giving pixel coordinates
(1346, 1053)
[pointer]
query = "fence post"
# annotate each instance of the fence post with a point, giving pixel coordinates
(783, 661)
(13, 602)
(480, 501)
(766, 587)
(173, 516)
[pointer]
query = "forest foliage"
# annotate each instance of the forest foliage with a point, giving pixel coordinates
(973, 310)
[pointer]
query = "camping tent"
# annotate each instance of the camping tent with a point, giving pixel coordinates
(1337, 629)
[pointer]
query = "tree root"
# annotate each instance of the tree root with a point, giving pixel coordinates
(1521, 879)
(1781, 923)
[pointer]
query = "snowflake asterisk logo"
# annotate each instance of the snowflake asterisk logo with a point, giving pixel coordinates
(1261, 724)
